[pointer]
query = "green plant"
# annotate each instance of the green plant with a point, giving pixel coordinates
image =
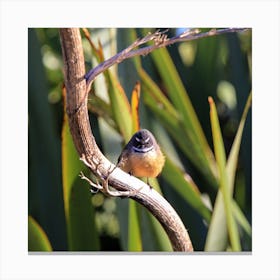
(181, 122)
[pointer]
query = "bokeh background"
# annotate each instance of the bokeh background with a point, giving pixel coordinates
(175, 85)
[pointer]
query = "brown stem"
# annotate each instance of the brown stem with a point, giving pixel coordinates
(76, 107)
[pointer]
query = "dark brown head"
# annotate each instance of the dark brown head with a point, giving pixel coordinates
(142, 141)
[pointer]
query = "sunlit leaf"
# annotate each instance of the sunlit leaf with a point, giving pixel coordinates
(217, 238)
(175, 124)
(234, 152)
(172, 122)
(120, 106)
(224, 182)
(135, 100)
(37, 238)
(180, 99)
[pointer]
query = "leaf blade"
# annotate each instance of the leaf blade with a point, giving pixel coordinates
(134, 229)
(81, 228)
(184, 185)
(37, 238)
(135, 100)
(224, 184)
(217, 239)
(181, 101)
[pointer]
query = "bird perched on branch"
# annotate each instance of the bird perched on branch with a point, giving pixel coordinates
(142, 156)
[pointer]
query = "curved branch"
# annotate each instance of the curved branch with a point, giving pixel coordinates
(76, 107)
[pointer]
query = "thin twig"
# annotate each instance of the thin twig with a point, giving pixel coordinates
(160, 40)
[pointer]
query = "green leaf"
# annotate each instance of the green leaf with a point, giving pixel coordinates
(81, 229)
(232, 166)
(102, 109)
(119, 104)
(45, 197)
(134, 228)
(152, 228)
(224, 181)
(241, 219)
(171, 118)
(37, 238)
(157, 95)
(187, 116)
(217, 237)
(183, 184)
(234, 152)
(120, 107)
(173, 123)
(160, 239)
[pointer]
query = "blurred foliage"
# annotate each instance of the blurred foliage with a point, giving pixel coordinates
(207, 175)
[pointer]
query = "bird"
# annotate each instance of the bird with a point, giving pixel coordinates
(142, 156)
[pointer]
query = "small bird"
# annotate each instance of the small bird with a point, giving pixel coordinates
(142, 156)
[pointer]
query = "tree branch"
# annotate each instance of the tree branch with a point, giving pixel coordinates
(76, 107)
(77, 86)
